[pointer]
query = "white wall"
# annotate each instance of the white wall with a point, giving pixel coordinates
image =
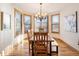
(69, 37)
(6, 37)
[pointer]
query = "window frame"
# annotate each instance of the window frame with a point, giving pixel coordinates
(58, 23)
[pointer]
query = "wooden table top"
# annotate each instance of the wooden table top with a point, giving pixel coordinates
(52, 40)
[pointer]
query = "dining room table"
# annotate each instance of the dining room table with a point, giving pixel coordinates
(52, 43)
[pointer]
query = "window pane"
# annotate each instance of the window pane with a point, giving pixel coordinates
(55, 28)
(41, 25)
(27, 23)
(55, 23)
(6, 21)
(55, 19)
(37, 25)
(27, 20)
(18, 22)
(27, 28)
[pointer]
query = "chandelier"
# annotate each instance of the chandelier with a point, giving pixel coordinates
(40, 15)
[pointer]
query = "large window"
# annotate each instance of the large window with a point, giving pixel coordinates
(55, 23)
(27, 23)
(41, 25)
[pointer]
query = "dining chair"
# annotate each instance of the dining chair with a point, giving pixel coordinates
(29, 36)
(40, 47)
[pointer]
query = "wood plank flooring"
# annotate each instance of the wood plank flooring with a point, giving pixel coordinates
(23, 50)
(65, 49)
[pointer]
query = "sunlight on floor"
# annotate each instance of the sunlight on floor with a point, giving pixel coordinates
(18, 49)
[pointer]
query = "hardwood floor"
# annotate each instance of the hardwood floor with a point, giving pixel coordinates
(65, 49)
(23, 50)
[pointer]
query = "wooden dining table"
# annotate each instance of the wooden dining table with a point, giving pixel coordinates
(52, 42)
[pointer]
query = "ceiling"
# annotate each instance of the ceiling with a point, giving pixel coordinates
(46, 7)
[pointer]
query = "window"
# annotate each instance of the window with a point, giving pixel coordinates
(27, 23)
(6, 21)
(55, 23)
(41, 25)
(18, 22)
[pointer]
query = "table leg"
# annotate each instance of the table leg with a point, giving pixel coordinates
(50, 48)
(57, 49)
